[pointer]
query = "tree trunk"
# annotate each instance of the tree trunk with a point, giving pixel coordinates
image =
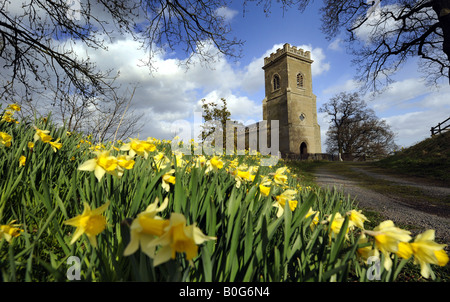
(442, 9)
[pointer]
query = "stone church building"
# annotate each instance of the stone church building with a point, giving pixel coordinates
(289, 99)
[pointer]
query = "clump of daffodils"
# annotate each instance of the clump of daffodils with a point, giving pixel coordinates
(161, 239)
(390, 240)
(5, 139)
(43, 135)
(105, 163)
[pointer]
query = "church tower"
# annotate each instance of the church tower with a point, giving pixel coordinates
(290, 100)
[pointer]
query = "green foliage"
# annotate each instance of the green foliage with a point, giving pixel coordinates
(252, 244)
(429, 158)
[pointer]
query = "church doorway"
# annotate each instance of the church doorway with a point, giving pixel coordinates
(303, 151)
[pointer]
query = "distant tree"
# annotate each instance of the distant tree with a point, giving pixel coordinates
(215, 120)
(395, 30)
(355, 130)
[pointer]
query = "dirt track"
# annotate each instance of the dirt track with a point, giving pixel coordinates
(418, 213)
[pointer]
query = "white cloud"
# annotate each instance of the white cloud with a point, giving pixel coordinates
(336, 45)
(414, 127)
(227, 13)
(241, 107)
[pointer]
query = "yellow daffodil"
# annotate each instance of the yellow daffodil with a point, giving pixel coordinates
(287, 196)
(367, 251)
(426, 251)
(22, 161)
(14, 107)
(55, 145)
(145, 228)
(179, 160)
(9, 231)
(125, 161)
(103, 163)
(90, 222)
(240, 176)
(8, 117)
(315, 220)
(139, 147)
(264, 190)
(168, 179)
(336, 225)
(30, 145)
(5, 139)
(178, 238)
(161, 161)
(42, 135)
(214, 164)
(279, 177)
(356, 218)
(200, 161)
(387, 238)
(404, 250)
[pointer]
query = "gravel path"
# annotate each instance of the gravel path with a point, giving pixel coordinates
(420, 214)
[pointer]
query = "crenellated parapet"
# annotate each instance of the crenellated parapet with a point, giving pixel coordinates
(288, 50)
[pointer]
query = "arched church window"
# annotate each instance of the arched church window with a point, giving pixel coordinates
(276, 82)
(300, 81)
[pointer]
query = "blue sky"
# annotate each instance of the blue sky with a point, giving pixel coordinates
(172, 93)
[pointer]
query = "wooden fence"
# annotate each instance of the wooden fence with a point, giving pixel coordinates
(440, 127)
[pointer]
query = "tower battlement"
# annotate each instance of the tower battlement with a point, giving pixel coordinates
(288, 49)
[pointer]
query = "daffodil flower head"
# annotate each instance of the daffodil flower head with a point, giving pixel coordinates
(356, 218)
(22, 161)
(90, 222)
(168, 179)
(161, 161)
(387, 238)
(240, 176)
(147, 227)
(287, 196)
(103, 163)
(279, 177)
(200, 161)
(42, 135)
(14, 107)
(125, 161)
(55, 145)
(5, 139)
(426, 251)
(215, 164)
(264, 190)
(178, 238)
(367, 251)
(10, 230)
(139, 147)
(315, 220)
(336, 224)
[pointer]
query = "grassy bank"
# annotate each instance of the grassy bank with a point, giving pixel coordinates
(429, 158)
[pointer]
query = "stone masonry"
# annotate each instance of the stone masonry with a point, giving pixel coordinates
(290, 100)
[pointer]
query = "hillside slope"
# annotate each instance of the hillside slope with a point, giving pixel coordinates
(429, 158)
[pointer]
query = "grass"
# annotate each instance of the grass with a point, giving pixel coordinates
(429, 159)
(383, 186)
